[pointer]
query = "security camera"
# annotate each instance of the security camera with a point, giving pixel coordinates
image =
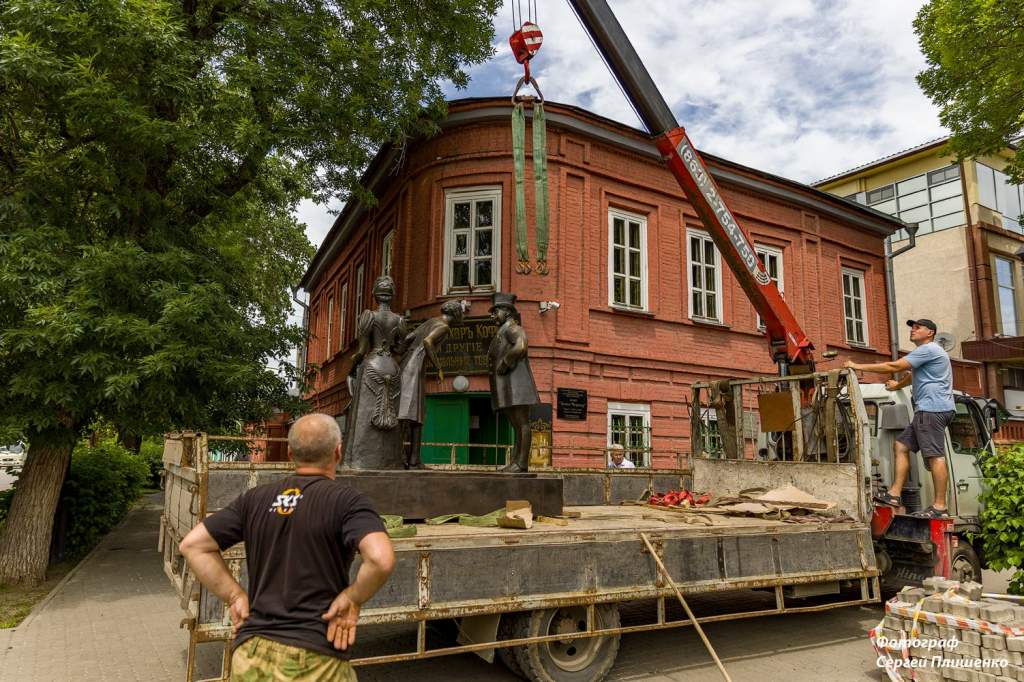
(549, 305)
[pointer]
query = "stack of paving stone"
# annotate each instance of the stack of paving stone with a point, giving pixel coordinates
(946, 630)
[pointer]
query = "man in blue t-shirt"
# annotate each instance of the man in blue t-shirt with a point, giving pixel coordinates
(932, 377)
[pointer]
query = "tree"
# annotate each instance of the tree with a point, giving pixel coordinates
(151, 154)
(975, 73)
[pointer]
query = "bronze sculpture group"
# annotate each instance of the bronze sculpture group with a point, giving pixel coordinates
(388, 379)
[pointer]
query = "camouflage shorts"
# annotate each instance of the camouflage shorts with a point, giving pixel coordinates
(262, 660)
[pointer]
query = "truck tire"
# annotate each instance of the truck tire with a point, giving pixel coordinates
(964, 563)
(567, 660)
(507, 628)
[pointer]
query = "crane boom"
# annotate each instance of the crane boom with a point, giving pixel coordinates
(789, 343)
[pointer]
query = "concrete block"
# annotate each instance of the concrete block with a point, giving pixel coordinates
(971, 637)
(1018, 615)
(893, 622)
(1015, 643)
(912, 595)
(930, 630)
(973, 609)
(971, 590)
(1015, 657)
(992, 654)
(986, 677)
(928, 675)
(932, 603)
(994, 642)
(997, 613)
(955, 606)
(969, 650)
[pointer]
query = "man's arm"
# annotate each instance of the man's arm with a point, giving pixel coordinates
(896, 384)
(378, 562)
(892, 367)
(204, 558)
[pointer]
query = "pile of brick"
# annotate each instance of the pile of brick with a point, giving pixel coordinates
(946, 630)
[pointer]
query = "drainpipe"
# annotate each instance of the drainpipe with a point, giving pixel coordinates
(300, 352)
(894, 337)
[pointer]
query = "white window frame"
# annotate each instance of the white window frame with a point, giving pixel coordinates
(360, 271)
(763, 250)
(632, 410)
(330, 324)
(386, 253)
(862, 276)
(342, 315)
(704, 236)
(643, 276)
(471, 194)
(1013, 293)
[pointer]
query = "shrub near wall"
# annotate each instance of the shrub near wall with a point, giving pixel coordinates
(1002, 520)
(103, 484)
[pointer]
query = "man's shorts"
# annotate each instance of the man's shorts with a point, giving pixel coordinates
(263, 660)
(927, 433)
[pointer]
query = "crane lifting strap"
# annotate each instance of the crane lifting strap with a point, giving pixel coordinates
(540, 185)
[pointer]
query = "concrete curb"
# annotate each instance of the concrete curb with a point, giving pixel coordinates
(142, 503)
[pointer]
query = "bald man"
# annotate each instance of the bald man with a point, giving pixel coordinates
(300, 534)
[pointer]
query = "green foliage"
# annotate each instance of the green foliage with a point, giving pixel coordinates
(1002, 520)
(152, 454)
(103, 484)
(151, 154)
(5, 504)
(975, 73)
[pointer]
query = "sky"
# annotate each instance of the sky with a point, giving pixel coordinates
(799, 88)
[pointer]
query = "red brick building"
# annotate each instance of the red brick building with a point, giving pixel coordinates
(647, 306)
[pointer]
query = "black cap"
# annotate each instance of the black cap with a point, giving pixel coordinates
(923, 323)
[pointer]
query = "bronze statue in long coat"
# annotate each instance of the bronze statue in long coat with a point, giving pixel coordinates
(513, 390)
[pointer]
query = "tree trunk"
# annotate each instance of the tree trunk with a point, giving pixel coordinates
(25, 535)
(128, 440)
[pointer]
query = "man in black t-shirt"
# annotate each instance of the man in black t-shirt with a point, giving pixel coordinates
(300, 535)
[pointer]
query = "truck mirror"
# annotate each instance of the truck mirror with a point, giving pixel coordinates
(993, 415)
(893, 417)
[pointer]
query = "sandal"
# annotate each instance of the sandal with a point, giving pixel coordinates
(889, 500)
(932, 513)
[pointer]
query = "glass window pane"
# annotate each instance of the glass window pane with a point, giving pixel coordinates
(947, 221)
(695, 276)
(619, 231)
(886, 207)
(460, 273)
(1004, 272)
(1007, 311)
(618, 258)
(634, 292)
(946, 206)
(912, 185)
(913, 200)
(484, 213)
(709, 252)
(634, 262)
(483, 243)
(711, 306)
(881, 194)
(950, 189)
(710, 282)
(634, 234)
(698, 304)
(619, 290)
(916, 215)
(849, 329)
(462, 244)
(483, 272)
(695, 250)
(986, 186)
(461, 215)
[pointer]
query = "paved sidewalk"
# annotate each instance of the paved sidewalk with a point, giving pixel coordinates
(115, 618)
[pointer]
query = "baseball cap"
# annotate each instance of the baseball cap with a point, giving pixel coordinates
(923, 322)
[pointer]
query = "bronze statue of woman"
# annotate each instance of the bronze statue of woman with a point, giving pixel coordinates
(421, 345)
(373, 437)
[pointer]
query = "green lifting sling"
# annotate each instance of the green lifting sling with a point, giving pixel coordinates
(540, 184)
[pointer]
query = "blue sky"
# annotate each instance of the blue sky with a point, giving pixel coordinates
(799, 88)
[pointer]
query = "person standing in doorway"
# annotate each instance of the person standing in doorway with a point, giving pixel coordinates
(931, 374)
(298, 619)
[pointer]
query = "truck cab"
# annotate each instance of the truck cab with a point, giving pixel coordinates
(968, 437)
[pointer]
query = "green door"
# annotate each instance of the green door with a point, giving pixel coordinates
(446, 421)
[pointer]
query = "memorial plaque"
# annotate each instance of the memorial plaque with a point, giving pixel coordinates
(572, 404)
(465, 349)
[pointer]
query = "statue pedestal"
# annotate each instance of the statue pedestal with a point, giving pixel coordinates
(423, 494)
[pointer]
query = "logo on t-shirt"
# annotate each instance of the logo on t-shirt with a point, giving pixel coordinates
(286, 501)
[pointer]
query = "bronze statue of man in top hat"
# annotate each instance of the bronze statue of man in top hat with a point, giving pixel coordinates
(513, 390)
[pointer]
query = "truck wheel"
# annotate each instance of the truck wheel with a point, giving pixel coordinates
(964, 563)
(569, 659)
(507, 628)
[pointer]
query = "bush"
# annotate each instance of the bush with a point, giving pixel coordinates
(152, 454)
(103, 484)
(1002, 521)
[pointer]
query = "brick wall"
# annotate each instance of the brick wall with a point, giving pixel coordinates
(647, 357)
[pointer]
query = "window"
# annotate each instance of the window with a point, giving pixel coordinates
(627, 272)
(472, 240)
(359, 289)
(330, 326)
(629, 425)
(705, 278)
(1007, 298)
(933, 200)
(963, 432)
(854, 306)
(386, 249)
(996, 192)
(711, 435)
(772, 259)
(342, 315)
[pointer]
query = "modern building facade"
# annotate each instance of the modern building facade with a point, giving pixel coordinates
(646, 306)
(966, 270)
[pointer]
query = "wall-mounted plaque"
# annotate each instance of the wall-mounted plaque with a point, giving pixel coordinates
(572, 404)
(464, 351)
